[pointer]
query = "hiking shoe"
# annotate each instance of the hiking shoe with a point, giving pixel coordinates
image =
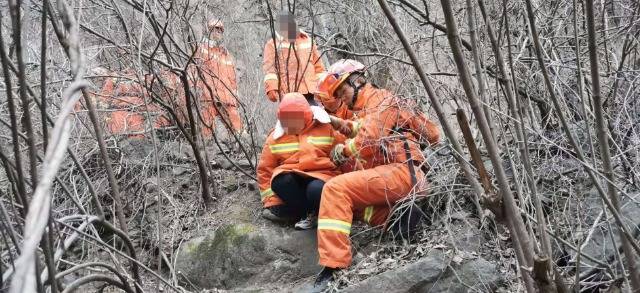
(273, 214)
(310, 222)
(323, 279)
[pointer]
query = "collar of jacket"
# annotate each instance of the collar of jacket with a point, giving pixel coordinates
(301, 34)
(319, 114)
(213, 43)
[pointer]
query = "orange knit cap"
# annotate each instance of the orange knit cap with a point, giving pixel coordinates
(295, 105)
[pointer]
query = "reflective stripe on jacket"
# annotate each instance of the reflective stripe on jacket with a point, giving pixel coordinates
(307, 153)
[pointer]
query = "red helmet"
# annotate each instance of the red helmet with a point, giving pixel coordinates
(338, 73)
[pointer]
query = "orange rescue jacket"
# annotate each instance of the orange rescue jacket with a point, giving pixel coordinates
(307, 153)
(298, 65)
(219, 72)
(374, 139)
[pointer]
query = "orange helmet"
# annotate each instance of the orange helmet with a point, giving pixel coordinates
(215, 23)
(337, 74)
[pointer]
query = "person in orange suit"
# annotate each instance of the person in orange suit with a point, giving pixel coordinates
(215, 80)
(291, 61)
(391, 166)
(295, 163)
(121, 97)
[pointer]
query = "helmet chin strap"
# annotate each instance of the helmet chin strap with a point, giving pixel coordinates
(356, 90)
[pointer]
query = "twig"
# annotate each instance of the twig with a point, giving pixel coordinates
(37, 217)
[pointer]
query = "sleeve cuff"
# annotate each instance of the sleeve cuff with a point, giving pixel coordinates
(350, 149)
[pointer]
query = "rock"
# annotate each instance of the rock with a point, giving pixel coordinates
(244, 163)
(245, 255)
(136, 150)
(476, 275)
(178, 152)
(179, 170)
(224, 163)
(434, 273)
(150, 185)
(229, 183)
(465, 235)
(405, 279)
(600, 245)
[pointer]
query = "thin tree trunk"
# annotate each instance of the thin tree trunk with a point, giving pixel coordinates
(603, 141)
(477, 63)
(624, 232)
(72, 50)
(516, 224)
(522, 137)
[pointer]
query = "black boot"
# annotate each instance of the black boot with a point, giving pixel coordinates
(408, 224)
(323, 279)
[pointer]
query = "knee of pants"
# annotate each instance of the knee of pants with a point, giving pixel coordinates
(282, 182)
(331, 189)
(334, 196)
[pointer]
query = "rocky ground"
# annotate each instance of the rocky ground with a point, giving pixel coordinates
(228, 247)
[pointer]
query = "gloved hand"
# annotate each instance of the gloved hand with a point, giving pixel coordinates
(272, 95)
(337, 154)
(340, 125)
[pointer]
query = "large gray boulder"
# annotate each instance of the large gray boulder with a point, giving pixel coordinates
(434, 273)
(245, 255)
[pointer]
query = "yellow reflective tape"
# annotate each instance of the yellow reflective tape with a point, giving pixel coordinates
(356, 128)
(368, 212)
(320, 140)
(266, 193)
(284, 147)
(270, 76)
(334, 225)
(351, 144)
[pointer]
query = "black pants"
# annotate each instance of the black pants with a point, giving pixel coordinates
(300, 194)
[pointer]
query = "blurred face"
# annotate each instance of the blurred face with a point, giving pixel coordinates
(293, 123)
(216, 33)
(344, 92)
(287, 26)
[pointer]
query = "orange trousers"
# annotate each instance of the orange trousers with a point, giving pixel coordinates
(366, 195)
(227, 112)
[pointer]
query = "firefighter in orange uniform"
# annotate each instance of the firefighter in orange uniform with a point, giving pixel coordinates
(216, 81)
(391, 160)
(295, 162)
(123, 101)
(297, 65)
